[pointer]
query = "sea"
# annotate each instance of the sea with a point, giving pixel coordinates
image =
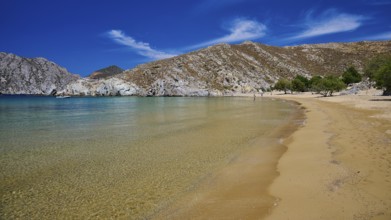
(122, 157)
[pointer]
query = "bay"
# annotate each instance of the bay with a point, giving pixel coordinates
(121, 157)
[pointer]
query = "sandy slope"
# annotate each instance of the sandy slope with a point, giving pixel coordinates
(338, 166)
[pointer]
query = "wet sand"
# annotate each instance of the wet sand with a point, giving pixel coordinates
(338, 166)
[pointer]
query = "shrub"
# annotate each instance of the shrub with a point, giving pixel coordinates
(374, 65)
(351, 76)
(313, 81)
(328, 85)
(283, 85)
(298, 85)
(383, 78)
(379, 70)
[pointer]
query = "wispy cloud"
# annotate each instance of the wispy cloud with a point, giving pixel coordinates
(240, 30)
(141, 48)
(329, 22)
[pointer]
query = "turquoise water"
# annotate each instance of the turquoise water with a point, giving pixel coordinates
(120, 157)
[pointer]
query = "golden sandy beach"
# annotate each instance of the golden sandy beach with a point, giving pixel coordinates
(336, 166)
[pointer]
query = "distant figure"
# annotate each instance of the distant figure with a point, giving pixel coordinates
(254, 97)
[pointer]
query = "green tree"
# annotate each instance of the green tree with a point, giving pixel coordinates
(304, 81)
(283, 85)
(351, 76)
(374, 65)
(383, 78)
(313, 81)
(379, 70)
(298, 85)
(328, 85)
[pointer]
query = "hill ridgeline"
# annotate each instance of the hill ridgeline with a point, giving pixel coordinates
(218, 70)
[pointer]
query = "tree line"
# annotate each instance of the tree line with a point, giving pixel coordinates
(377, 70)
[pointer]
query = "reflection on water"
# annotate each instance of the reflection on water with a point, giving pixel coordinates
(119, 157)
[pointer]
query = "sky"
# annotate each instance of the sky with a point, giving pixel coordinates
(87, 35)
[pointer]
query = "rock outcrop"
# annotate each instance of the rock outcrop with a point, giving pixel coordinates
(109, 87)
(106, 72)
(36, 76)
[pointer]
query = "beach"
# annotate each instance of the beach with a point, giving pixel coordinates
(337, 166)
(305, 157)
(240, 189)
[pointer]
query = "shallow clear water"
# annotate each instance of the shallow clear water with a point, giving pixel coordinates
(119, 157)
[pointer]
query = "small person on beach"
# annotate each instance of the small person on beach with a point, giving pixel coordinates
(254, 97)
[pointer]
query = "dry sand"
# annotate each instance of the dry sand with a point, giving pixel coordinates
(338, 166)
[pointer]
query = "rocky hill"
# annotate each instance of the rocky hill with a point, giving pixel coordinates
(244, 68)
(106, 72)
(221, 69)
(36, 76)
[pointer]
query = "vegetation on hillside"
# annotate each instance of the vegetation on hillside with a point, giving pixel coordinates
(300, 84)
(351, 75)
(227, 69)
(379, 70)
(326, 86)
(283, 85)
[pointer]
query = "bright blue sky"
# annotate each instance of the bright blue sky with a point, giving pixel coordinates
(86, 35)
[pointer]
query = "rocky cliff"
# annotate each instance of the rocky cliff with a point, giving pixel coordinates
(36, 76)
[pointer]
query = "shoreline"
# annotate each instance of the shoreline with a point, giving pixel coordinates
(329, 159)
(234, 191)
(338, 166)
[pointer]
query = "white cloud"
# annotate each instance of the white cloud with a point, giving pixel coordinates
(240, 30)
(141, 48)
(329, 22)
